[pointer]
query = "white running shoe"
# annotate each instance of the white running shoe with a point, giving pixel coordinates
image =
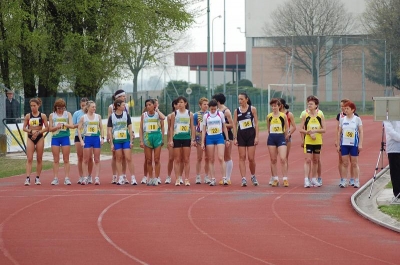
(224, 181)
(27, 181)
(213, 182)
(168, 180)
(180, 180)
(271, 180)
(67, 181)
(207, 180)
(96, 181)
(307, 183)
(126, 181)
(356, 183)
(114, 180)
(84, 181)
(315, 183)
(343, 183)
(133, 180)
(144, 180)
(177, 182)
(159, 180)
(155, 181)
(187, 183)
(89, 180)
(55, 181)
(198, 180)
(121, 180)
(80, 180)
(319, 181)
(37, 181)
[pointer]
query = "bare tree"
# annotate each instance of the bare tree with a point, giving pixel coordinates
(309, 32)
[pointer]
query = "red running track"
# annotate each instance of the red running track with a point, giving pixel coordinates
(111, 224)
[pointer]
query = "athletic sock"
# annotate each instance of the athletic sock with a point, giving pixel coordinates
(284, 178)
(229, 168)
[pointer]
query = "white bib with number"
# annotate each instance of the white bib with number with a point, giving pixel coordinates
(92, 128)
(34, 122)
(275, 128)
(349, 136)
(245, 124)
(213, 130)
(120, 135)
(151, 127)
(182, 128)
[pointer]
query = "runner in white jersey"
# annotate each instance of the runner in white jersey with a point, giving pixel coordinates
(350, 136)
(119, 94)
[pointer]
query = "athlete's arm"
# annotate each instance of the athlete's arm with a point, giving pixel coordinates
(228, 115)
(254, 111)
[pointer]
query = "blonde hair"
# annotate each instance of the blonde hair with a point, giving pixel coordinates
(90, 102)
(201, 100)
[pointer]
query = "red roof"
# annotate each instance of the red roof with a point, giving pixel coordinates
(199, 59)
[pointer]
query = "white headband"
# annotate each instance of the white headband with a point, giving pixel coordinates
(120, 95)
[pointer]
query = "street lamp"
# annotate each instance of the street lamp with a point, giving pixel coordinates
(212, 58)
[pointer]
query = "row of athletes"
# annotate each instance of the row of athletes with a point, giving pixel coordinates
(214, 130)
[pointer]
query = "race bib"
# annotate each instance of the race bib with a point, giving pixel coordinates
(92, 128)
(213, 130)
(34, 122)
(349, 136)
(63, 128)
(182, 128)
(151, 127)
(120, 135)
(245, 124)
(275, 128)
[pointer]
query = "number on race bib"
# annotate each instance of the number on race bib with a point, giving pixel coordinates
(152, 126)
(245, 124)
(349, 134)
(184, 128)
(120, 135)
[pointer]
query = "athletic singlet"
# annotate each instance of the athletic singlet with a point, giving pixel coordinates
(313, 123)
(63, 119)
(350, 134)
(151, 124)
(182, 125)
(226, 120)
(91, 127)
(276, 124)
(245, 120)
(198, 120)
(213, 122)
(120, 131)
(35, 120)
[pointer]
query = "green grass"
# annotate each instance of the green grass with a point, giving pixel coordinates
(391, 210)
(17, 166)
(389, 185)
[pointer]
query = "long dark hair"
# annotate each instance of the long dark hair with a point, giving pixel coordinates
(246, 97)
(184, 100)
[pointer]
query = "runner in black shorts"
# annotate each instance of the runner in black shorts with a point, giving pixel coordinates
(245, 136)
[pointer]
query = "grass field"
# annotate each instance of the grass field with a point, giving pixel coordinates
(391, 210)
(17, 166)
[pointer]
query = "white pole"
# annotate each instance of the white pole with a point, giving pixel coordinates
(212, 58)
(224, 50)
(237, 76)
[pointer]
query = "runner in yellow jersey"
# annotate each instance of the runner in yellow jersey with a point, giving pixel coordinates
(312, 126)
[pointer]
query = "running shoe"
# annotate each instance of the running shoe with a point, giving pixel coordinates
(55, 181)
(168, 180)
(177, 182)
(343, 183)
(224, 181)
(254, 180)
(212, 182)
(198, 180)
(89, 180)
(126, 181)
(67, 181)
(133, 180)
(244, 182)
(84, 181)
(229, 181)
(357, 183)
(150, 182)
(271, 180)
(319, 181)
(307, 183)
(275, 183)
(285, 183)
(121, 180)
(80, 180)
(27, 181)
(144, 180)
(207, 180)
(187, 183)
(351, 182)
(155, 181)
(315, 183)
(180, 180)
(114, 180)
(37, 181)
(96, 181)
(159, 180)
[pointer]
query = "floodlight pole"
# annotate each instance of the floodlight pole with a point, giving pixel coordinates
(208, 50)
(224, 50)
